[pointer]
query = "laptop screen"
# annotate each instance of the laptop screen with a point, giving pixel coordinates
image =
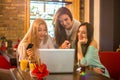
(58, 60)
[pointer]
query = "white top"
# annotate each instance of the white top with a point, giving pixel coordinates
(22, 48)
(49, 44)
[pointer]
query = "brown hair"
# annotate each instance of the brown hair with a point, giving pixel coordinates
(90, 32)
(60, 34)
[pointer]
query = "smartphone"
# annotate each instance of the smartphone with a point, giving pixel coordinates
(103, 70)
(29, 46)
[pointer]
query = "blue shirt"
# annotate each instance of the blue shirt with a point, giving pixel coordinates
(92, 59)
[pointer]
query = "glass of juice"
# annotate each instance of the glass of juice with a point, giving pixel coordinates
(23, 65)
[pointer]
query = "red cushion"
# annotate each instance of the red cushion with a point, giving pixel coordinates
(4, 63)
(111, 60)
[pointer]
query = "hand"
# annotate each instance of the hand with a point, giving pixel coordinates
(65, 45)
(30, 53)
(98, 70)
(83, 41)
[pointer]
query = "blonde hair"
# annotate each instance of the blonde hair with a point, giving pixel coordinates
(32, 35)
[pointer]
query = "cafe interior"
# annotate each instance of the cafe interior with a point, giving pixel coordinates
(16, 16)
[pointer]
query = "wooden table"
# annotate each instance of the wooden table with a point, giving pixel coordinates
(20, 75)
(90, 75)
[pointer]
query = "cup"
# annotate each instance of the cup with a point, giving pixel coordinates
(23, 65)
(32, 66)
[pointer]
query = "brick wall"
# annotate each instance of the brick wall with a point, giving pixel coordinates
(13, 19)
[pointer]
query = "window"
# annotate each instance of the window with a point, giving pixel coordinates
(44, 10)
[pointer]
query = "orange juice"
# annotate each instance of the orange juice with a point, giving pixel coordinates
(23, 65)
(32, 66)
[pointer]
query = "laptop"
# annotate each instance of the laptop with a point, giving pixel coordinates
(58, 60)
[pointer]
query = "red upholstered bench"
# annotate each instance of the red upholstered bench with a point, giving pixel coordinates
(111, 60)
(4, 64)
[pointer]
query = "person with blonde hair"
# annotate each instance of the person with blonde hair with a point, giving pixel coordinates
(37, 35)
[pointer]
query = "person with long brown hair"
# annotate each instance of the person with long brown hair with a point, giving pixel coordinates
(65, 28)
(87, 50)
